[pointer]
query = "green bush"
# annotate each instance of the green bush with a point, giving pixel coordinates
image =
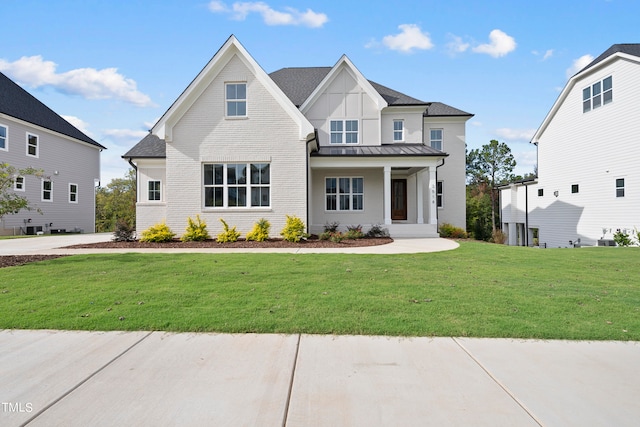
(377, 230)
(354, 232)
(260, 231)
(622, 238)
(229, 234)
(157, 233)
(196, 230)
(451, 231)
(293, 230)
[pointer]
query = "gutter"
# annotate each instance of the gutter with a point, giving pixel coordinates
(308, 178)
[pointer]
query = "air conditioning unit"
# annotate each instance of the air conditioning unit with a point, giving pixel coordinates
(606, 242)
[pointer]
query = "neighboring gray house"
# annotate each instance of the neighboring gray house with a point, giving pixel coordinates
(323, 143)
(32, 135)
(588, 151)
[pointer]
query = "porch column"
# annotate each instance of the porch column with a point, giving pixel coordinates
(433, 208)
(420, 196)
(387, 194)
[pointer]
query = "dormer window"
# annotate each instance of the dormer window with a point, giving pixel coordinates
(236, 98)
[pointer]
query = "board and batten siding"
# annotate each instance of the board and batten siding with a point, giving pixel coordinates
(591, 150)
(267, 135)
(64, 161)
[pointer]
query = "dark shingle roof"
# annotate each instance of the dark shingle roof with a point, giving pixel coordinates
(149, 147)
(393, 150)
(628, 48)
(20, 104)
(438, 109)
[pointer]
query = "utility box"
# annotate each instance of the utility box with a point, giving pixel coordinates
(606, 242)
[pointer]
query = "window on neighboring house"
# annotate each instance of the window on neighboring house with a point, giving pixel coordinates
(440, 194)
(154, 191)
(47, 190)
(575, 188)
(598, 94)
(344, 131)
(435, 136)
(3, 138)
(32, 145)
(18, 183)
(540, 192)
(226, 185)
(344, 194)
(398, 130)
(236, 97)
(620, 187)
(73, 193)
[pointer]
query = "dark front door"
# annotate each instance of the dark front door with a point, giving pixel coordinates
(399, 199)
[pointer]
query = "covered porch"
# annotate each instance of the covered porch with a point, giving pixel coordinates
(393, 186)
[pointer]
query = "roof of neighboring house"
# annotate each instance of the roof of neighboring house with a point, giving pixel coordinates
(149, 147)
(20, 104)
(393, 150)
(628, 48)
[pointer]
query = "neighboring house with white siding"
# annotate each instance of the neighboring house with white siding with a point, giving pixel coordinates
(321, 143)
(588, 183)
(32, 135)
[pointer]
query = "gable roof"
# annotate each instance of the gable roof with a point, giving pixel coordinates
(148, 148)
(629, 51)
(20, 104)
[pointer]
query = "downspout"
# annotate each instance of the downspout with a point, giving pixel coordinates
(437, 210)
(136, 169)
(526, 215)
(308, 178)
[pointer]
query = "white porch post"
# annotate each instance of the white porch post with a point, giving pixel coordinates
(420, 196)
(433, 208)
(387, 194)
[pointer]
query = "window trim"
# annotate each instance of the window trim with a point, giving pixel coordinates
(620, 189)
(227, 100)
(248, 185)
(73, 193)
(351, 194)
(23, 183)
(37, 146)
(401, 130)
(158, 190)
(589, 94)
(441, 139)
(440, 194)
(43, 191)
(5, 137)
(343, 132)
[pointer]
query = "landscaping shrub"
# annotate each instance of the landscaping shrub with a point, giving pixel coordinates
(498, 237)
(123, 232)
(354, 232)
(451, 231)
(260, 231)
(622, 238)
(196, 230)
(331, 227)
(229, 234)
(293, 230)
(377, 230)
(157, 233)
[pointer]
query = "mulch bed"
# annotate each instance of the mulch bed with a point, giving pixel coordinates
(14, 260)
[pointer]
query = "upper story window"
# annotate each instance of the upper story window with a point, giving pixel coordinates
(4, 144)
(620, 187)
(435, 138)
(33, 146)
(236, 98)
(398, 130)
(229, 185)
(598, 94)
(344, 131)
(47, 190)
(18, 183)
(154, 191)
(73, 193)
(344, 194)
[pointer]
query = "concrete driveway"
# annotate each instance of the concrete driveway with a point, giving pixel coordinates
(52, 378)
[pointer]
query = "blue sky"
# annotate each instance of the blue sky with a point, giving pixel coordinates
(112, 68)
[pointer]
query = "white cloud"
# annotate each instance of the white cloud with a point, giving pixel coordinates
(510, 134)
(270, 16)
(500, 44)
(79, 124)
(579, 64)
(410, 38)
(90, 83)
(548, 54)
(456, 45)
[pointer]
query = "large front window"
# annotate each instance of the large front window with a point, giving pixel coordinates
(236, 97)
(344, 194)
(344, 131)
(598, 94)
(230, 185)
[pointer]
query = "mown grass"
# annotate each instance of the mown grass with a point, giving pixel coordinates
(478, 290)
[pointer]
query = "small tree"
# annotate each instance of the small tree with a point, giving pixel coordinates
(10, 202)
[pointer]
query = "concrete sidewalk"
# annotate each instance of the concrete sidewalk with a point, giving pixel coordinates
(53, 378)
(54, 245)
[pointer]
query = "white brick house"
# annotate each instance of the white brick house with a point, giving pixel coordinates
(321, 143)
(588, 151)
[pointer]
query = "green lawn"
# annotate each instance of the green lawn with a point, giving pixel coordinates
(478, 290)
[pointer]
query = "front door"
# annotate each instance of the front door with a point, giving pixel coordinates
(399, 199)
